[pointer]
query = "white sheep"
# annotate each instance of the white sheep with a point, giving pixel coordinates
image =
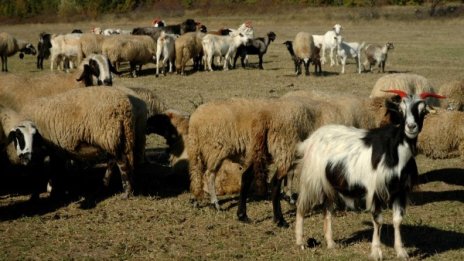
(349, 50)
(9, 46)
(65, 49)
(305, 51)
(327, 41)
(165, 47)
(376, 55)
(376, 165)
(135, 49)
(222, 46)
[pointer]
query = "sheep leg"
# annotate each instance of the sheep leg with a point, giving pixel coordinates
(275, 195)
(247, 178)
(328, 226)
(306, 65)
(398, 212)
(4, 63)
(211, 176)
(377, 219)
(125, 171)
(288, 186)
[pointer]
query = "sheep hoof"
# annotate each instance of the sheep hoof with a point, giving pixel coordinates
(244, 218)
(282, 223)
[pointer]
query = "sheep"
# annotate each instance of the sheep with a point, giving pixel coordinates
(376, 55)
(289, 45)
(136, 49)
(223, 46)
(375, 164)
(43, 49)
(64, 49)
(17, 90)
(165, 45)
(316, 60)
(304, 49)
(89, 44)
(349, 50)
(173, 125)
(442, 136)
(188, 46)
(258, 46)
(73, 125)
(222, 31)
(408, 82)
(327, 41)
(9, 46)
(454, 92)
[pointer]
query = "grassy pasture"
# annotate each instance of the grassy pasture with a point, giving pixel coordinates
(160, 223)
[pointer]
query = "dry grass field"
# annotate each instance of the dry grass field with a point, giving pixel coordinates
(159, 223)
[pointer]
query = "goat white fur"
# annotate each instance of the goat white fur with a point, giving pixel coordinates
(376, 55)
(64, 48)
(165, 47)
(222, 46)
(327, 41)
(349, 50)
(377, 165)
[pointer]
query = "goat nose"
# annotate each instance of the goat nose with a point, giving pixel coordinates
(412, 126)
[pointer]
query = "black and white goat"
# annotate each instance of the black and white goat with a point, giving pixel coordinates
(258, 46)
(377, 165)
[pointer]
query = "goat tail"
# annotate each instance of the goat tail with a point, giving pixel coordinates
(312, 179)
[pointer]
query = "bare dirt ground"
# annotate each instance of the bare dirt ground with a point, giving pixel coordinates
(159, 223)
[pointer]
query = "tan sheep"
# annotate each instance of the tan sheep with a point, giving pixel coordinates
(408, 82)
(442, 135)
(188, 46)
(89, 43)
(9, 46)
(454, 93)
(135, 49)
(73, 125)
(305, 51)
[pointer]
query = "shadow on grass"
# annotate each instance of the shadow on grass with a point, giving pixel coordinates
(451, 176)
(427, 241)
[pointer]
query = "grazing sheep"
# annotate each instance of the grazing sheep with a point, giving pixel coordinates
(136, 49)
(349, 50)
(189, 46)
(9, 46)
(327, 41)
(89, 44)
(43, 49)
(454, 92)
(173, 126)
(442, 136)
(218, 45)
(377, 165)
(305, 50)
(17, 90)
(376, 55)
(165, 46)
(408, 82)
(258, 46)
(74, 126)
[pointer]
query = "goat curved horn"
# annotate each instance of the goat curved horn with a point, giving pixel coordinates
(401, 93)
(429, 94)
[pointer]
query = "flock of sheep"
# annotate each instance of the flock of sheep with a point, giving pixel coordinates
(340, 147)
